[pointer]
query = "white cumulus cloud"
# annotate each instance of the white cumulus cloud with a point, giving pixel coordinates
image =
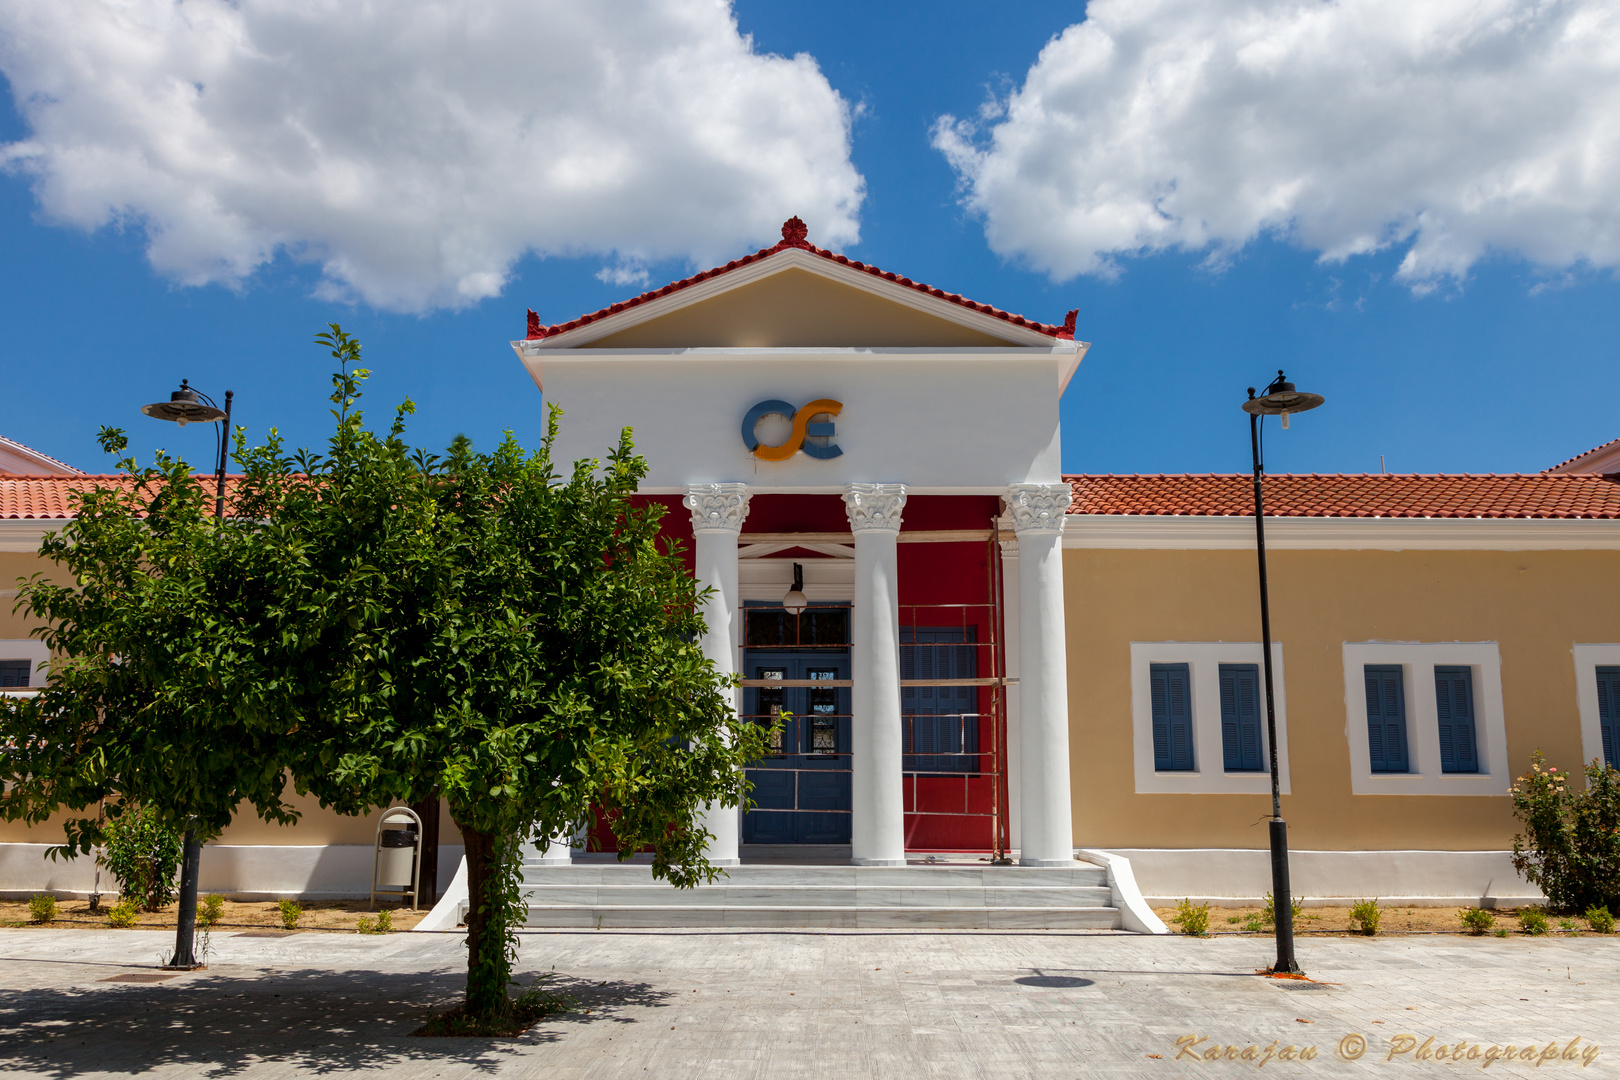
(1451, 128)
(415, 151)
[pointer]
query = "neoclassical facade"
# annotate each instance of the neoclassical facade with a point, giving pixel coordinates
(964, 654)
(813, 420)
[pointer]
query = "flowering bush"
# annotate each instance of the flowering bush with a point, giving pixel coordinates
(1570, 847)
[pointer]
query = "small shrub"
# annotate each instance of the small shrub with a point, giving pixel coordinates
(1533, 921)
(1570, 847)
(385, 922)
(1254, 925)
(1192, 918)
(1478, 921)
(1234, 918)
(1569, 926)
(1269, 915)
(211, 911)
(144, 856)
(291, 911)
(122, 915)
(1365, 916)
(1599, 919)
(1500, 931)
(366, 925)
(42, 908)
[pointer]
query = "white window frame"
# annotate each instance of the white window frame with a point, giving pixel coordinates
(36, 652)
(1588, 658)
(1208, 776)
(1417, 661)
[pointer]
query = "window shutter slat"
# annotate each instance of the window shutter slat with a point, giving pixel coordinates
(1386, 718)
(1172, 718)
(1454, 705)
(1241, 742)
(1608, 684)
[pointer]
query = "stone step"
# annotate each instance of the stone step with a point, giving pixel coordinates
(953, 918)
(545, 894)
(613, 873)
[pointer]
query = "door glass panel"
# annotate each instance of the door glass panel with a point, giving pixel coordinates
(770, 706)
(823, 710)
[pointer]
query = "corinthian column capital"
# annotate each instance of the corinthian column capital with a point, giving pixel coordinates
(874, 507)
(717, 507)
(1038, 509)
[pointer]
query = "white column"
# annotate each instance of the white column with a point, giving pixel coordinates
(1009, 649)
(559, 850)
(1046, 829)
(718, 511)
(878, 833)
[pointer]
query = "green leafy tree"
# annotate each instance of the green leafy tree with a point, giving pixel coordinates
(519, 641)
(157, 694)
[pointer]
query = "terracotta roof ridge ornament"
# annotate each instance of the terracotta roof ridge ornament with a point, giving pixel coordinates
(536, 331)
(795, 233)
(1069, 321)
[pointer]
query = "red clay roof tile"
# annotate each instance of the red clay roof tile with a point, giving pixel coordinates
(1539, 495)
(51, 497)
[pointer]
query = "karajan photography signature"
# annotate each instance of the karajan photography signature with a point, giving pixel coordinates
(1396, 1048)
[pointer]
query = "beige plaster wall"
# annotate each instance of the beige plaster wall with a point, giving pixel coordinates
(1536, 605)
(316, 827)
(14, 565)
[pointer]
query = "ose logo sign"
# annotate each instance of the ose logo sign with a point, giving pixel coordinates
(812, 429)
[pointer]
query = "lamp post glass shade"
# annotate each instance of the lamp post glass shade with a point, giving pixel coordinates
(794, 602)
(1280, 399)
(184, 407)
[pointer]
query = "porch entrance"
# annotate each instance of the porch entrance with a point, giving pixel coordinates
(801, 788)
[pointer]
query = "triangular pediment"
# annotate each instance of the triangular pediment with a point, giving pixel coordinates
(796, 307)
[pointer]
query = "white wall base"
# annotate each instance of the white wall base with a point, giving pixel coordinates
(237, 871)
(1240, 877)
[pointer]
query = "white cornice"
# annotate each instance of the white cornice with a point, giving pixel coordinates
(1187, 532)
(791, 258)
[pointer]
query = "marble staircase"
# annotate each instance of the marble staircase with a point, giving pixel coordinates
(603, 894)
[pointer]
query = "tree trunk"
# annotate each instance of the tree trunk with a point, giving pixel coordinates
(428, 852)
(488, 968)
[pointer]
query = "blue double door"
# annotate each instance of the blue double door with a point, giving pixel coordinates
(801, 789)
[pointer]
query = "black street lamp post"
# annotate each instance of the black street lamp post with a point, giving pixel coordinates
(1280, 399)
(190, 406)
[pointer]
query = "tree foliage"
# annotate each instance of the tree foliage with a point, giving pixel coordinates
(158, 694)
(519, 641)
(381, 624)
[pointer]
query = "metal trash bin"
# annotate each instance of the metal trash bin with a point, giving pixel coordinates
(397, 856)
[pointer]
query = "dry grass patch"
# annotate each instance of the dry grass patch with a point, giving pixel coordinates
(325, 915)
(1335, 921)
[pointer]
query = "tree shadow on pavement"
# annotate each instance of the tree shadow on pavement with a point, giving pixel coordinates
(214, 1024)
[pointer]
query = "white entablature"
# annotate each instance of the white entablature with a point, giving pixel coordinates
(942, 393)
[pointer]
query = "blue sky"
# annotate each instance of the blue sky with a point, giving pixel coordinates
(1504, 366)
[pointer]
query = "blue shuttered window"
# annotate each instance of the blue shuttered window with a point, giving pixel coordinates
(1454, 704)
(1172, 718)
(1240, 717)
(1608, 680)
(1386, 718)
(941, 723)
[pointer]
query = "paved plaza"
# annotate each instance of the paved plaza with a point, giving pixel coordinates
(840, 1004)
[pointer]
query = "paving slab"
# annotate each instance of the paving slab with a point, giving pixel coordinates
(794, 1003)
